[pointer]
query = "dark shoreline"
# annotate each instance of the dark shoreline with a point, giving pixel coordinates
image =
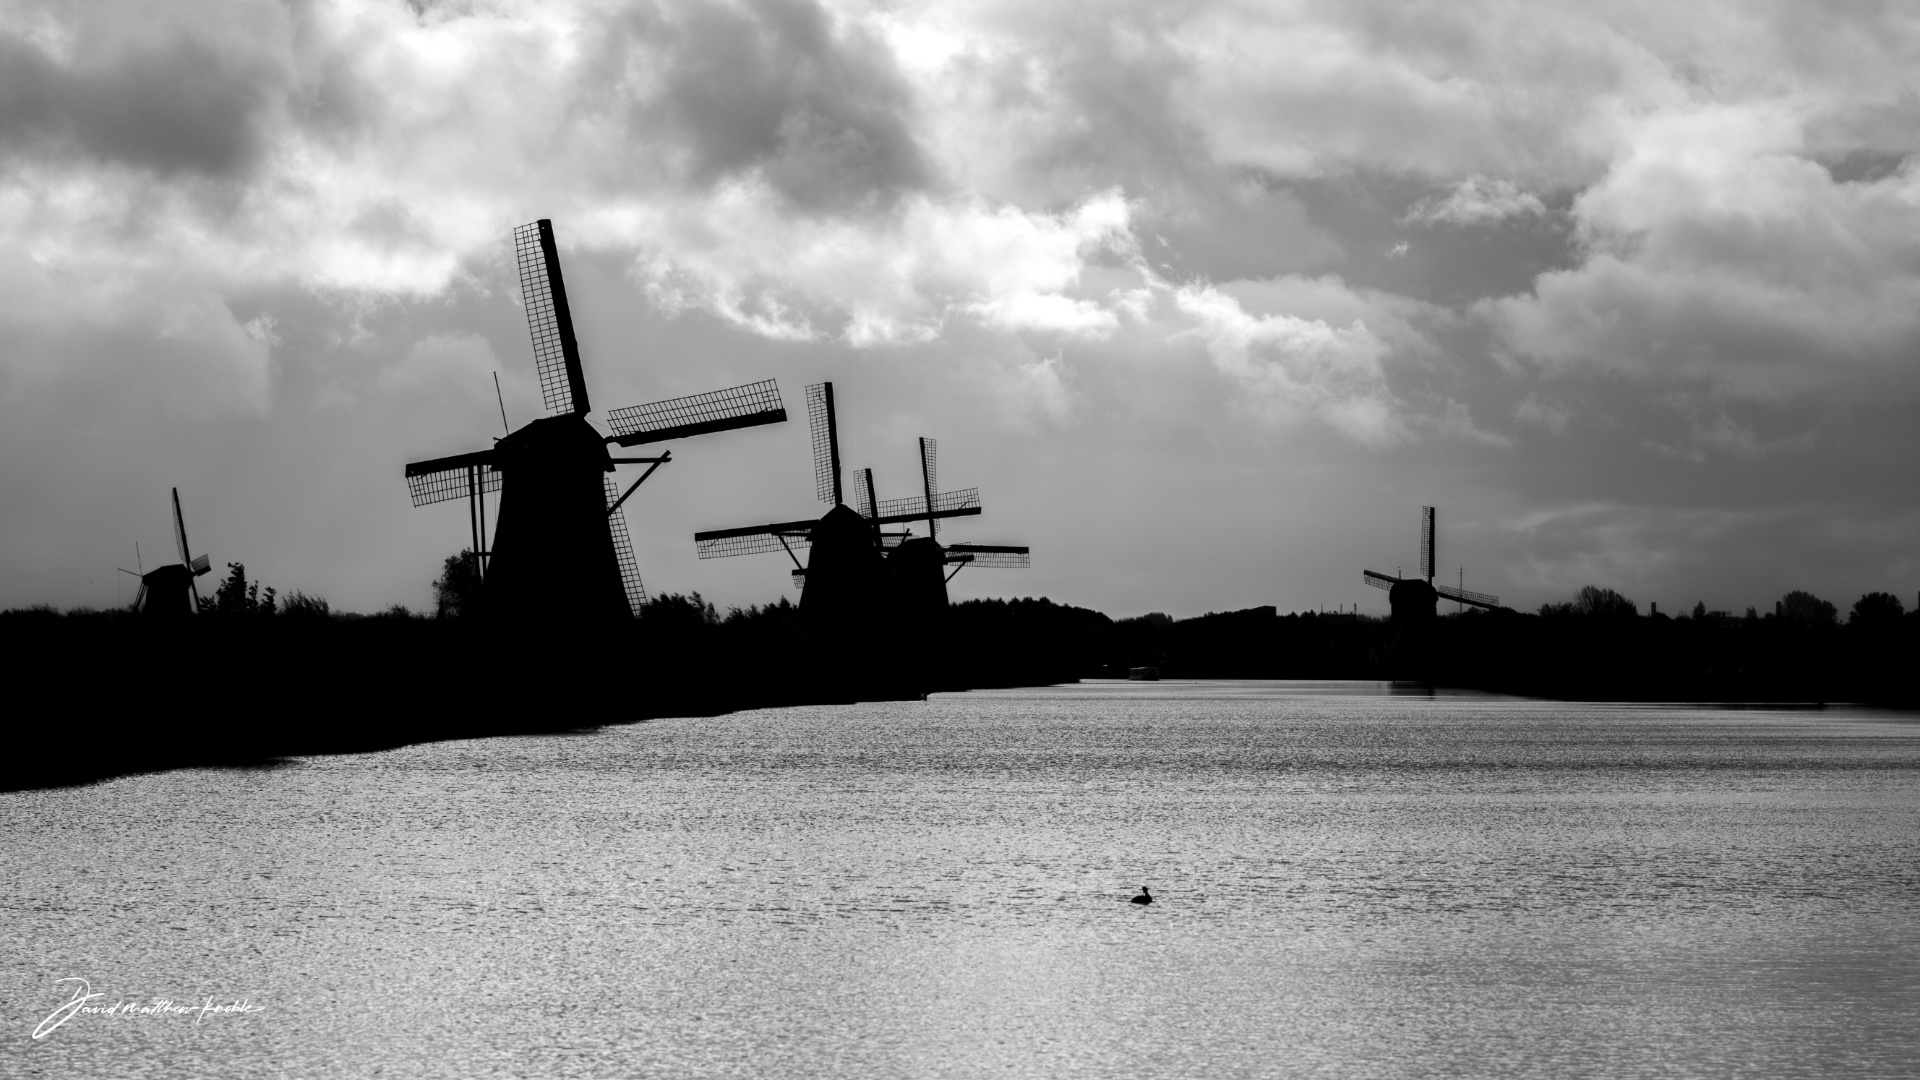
(106, 694)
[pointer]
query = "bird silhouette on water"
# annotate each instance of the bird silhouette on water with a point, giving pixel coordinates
(1144, 898)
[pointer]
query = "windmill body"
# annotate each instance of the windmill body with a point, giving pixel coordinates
(561, 550)
(845, 575)
(917, 578)
(171, 592)
(1411, 598)
(166, 592)
(554, 555)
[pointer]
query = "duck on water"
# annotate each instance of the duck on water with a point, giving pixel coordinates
(1145, 897)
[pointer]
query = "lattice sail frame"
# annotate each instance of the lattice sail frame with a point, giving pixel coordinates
(820, 428)
(930, 478)
(1467, 596)
(1378, 580)
(990, 556)
(1428, 554)
(715, 410)
(623, 548)
(723, 547)
(863, 501)
(548, 321)
(916, 506)
(180, 530)
(446, 485)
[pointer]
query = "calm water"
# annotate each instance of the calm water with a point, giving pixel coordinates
(1350, 883)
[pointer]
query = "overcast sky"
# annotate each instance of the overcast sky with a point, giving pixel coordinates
(1206, 298)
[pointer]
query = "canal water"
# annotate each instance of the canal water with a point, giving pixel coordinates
(1349, 881)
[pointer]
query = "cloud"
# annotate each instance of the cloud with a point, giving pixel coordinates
(1292, 367)
(890, 281)
(171, 345)
(1455, 420)
(1534, 409)
(1476, 201)
(1720, 254)
(444, 365)
(191, 97)
(779, 90)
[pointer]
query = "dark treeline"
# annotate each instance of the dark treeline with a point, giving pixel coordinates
(1597, 647)
(252, 680)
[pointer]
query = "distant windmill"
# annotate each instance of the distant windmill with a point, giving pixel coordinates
(1415, 598)
(844, 574)
(170, 591)
(917, 565)
(561, 548)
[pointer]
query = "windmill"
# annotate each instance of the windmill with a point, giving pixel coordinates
(170, 591)
(845, 575)
(917, 565)
(560, 548)
(1418, 597)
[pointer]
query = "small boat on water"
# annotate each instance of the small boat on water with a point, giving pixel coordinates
(1144, 674)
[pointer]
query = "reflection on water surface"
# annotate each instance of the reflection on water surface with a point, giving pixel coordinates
(1351, 880)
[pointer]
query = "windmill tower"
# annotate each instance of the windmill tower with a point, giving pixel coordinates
(170, 592)
(845, 576)
(560, 549)
(1417, 598)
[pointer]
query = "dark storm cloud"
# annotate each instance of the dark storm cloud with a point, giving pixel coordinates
(177, 106)
(774, 88)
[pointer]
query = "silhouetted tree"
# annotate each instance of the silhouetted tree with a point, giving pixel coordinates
(236, 596)
(1593, 601)
(674, 611)
(1700, 610)
(300, 605)
(1876, 609)
(456, 592)
(1807, 609)
(780, 611)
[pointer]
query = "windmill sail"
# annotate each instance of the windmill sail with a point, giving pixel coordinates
(563, 390)
(962, 503)
(1429, 557)
(180, 530)
(753, 539)
(623, 548)
(993, 556)
(444, 479)
(1379, 580)
(1468, 596)
(863, 499)
(929, 467)
(195, 567)
(826, 443)
(698, 414)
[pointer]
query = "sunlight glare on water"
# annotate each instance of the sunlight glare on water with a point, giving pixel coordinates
(1350, 882)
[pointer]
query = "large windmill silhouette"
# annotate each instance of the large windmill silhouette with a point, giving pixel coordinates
(560, 549)
(845, 575)
(170, 591)
(1418, 597)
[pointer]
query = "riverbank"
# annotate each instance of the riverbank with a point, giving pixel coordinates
(104, 694)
